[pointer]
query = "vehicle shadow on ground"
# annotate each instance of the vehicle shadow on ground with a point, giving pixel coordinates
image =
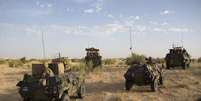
(145, 89)
(10, 95)
(199, 99)
(115, 87)
(98, 87)
(141, 89)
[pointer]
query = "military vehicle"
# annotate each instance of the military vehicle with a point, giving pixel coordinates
(64, 61)
(144, 74)
(93, 56)
(177, 56)
(44, 85)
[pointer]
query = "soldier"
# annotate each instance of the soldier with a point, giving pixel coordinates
(46, 73)
(149, 61)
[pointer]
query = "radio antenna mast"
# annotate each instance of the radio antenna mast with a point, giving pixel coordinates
(59, 55)
(182, 41)
(43, 43)
(131, 45)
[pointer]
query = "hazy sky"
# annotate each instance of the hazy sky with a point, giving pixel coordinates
(70, 26)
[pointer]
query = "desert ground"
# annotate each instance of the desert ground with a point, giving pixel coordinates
(108, 85)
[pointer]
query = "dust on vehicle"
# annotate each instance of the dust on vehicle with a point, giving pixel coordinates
(93, 57)
(142, 74)
(49, 82)
(177, 56)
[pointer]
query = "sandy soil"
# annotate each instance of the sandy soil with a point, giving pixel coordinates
(108, 85)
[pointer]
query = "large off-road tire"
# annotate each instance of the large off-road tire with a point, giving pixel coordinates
(81, 91)
(26, 99)
(188, 65)
(128, 85)
(161, 80)
(167, 66)
(184, 66)
(65, 97)
(154, 85)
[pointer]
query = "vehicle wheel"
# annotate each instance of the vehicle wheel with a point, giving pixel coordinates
(184, 66)
(167, 65)
(154, 85)
(128, 85)
(26, 99)
(161, 80)
(81, 91)
(65, 97)
(188, 65)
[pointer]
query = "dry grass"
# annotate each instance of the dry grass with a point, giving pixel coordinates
(9, 78)
(108, 85)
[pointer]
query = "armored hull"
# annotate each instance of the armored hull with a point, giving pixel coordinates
(142, 74)
(58, 87)
(177, 57)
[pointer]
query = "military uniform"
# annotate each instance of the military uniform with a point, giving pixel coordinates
(46, 73)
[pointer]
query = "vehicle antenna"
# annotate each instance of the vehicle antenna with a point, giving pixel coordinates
(131, 45)
(182, 41)
(59, 55)
(43, 43)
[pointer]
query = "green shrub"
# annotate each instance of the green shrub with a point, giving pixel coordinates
(77, 60)
(32, 59)
(159, 60)
(199, 59)
(193, 60)
(80, 67)
(2, 61)
(109, 61)
(121, 63)
(23, 60)
(75, 67)
(135, 59)
(89, 66)
(15, 63)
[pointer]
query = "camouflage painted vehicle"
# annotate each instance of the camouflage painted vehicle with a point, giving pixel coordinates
(177, 56)
(143, 74)
(44, 85)
(63, 60)
(93, 56)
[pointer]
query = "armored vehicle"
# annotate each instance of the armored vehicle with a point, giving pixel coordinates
(93, 56)
(177, 56)
(64, 61)
(143, 74)
(50, 83)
